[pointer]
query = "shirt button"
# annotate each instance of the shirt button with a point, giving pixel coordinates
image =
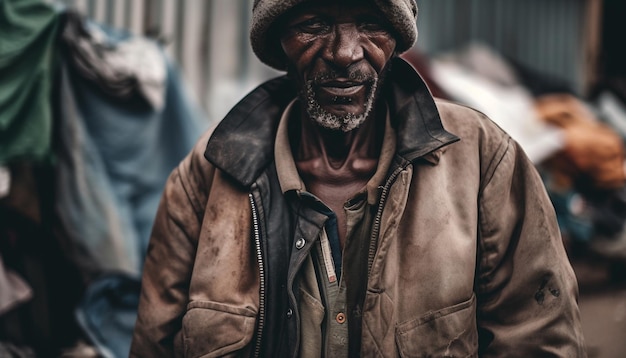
(300, 243)
(341, 318)
(289, 313)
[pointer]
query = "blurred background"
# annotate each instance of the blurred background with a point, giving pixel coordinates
(100, 100)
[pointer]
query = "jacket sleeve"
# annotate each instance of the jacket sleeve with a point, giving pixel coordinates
(526, 288)
(169, 260)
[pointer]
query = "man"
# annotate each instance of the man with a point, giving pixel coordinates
(331, 214)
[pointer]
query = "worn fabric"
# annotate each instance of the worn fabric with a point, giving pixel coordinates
(325, 333)
(13, 289)
(9, 350)
(123, 66)
(111, 174)
(23, 196)
(500, 97)
(115, 154)
(401, 14)
(27, 62)
(593, 151)
(332, 295)
(469, 262)
(98, 239)
(107, 313)
(313, 312)
(138, 147)
(31, 250)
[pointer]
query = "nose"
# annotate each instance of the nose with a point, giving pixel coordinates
(344, 46)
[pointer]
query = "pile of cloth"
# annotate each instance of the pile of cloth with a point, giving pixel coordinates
(92, 122)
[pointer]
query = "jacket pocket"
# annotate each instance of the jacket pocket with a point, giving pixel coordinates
(212, 329)
(311, 317)
(449, 332)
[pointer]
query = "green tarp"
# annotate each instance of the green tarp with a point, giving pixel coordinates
(28, 32)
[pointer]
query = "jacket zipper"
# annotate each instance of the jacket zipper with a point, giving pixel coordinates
(378, 218)
(259, 257)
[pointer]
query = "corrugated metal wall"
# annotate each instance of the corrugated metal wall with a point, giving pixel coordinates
(209, 38)
(546, 35)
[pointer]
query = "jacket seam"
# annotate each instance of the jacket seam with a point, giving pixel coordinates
(189, 192)
(495, 164)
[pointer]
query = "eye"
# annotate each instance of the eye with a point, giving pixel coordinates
(372, 24)
(314, 25)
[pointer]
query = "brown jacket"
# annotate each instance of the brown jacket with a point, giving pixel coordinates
(469, 263)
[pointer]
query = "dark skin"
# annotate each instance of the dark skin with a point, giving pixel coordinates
(343, 39)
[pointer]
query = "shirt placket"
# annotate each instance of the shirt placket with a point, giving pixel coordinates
(336, 317)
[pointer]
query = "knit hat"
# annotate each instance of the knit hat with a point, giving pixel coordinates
(401, 14)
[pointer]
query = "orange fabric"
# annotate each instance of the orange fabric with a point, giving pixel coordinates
(592, 149)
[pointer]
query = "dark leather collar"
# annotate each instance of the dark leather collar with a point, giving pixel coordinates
(242, 145)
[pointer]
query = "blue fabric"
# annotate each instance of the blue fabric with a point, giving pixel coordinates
(108, 313)
(139, 147)
(115, 159)
(117, 155)
(99, 238)
(576, 225)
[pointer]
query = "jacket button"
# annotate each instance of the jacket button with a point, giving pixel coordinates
(289, 313)
(300, 243)
(341, 318)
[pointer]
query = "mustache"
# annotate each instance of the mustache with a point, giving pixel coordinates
(354, 75)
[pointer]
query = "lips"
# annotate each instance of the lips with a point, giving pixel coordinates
(341, 88)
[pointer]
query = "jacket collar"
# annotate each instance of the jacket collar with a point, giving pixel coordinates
(242, 145)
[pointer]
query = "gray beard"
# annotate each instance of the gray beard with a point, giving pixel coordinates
(345, 123)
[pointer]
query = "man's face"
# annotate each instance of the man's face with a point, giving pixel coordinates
(337, 52)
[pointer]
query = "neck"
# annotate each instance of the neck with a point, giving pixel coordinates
(335, 165)
(337, 148)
